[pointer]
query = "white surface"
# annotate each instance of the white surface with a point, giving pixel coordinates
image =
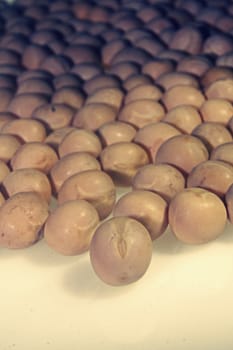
(184, 301)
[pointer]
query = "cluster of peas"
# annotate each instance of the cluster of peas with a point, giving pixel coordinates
(96, 96)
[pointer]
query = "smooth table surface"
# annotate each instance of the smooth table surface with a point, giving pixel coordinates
(184, 301)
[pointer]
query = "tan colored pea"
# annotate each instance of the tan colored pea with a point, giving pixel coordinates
(56, 64)
(183, 152)
(56, 136)
(80, 140)
(145, 206)
(188, 39)
(157, 67)
(34, 55)
(144, 91)
(27, 180)
(95, 186)
(163, 179)
(120, 251)
(217, 110)
(196, 65)
(8, 146)
(153, 135)
(136, 80)
(141, 112)
(69, 95)
(70, 227)
(35, 85)
(86, 70)
(212, 134)
(67, 79)
(217, 44)
(183, 95)
(116, 131)
(92, 116)
(213, 175)
(34, 74)
(36, 155)
(122, 160)
(21, 219)
(71, 164)
(197, 216)
(28, 130)
(24, 104)
(170, 54)
(54, 115)
(169, 80)
(220, 89)
(101, 81)
(223, 152)
(111, 96)
(185, 118)
(216, 73)
(78, 53)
